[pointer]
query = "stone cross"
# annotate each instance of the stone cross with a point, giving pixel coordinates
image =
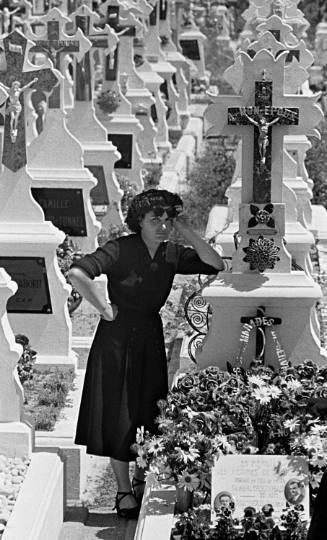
(105, 39)
(55, 42)
(16, 80)
(261, 321)
(263, 106)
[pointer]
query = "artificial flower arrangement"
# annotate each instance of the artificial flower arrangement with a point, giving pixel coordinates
(212, 412)
(255, 525)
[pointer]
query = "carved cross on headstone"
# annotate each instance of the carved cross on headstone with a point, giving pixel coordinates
(261, 322)
(105, 38)
(56, 42)
(263, 115)
(16, 80)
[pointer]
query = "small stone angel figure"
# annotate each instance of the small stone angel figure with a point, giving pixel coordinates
(14, 107)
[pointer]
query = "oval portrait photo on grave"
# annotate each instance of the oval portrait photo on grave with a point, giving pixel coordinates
(294, 491)
(224, 499)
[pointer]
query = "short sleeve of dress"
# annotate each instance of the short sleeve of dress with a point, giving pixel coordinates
(100, 261)
(189, 262)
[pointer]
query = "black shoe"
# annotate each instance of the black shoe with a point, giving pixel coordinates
(127, 513)
(138, 489)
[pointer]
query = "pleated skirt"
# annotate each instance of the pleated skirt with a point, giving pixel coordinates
(125, 377)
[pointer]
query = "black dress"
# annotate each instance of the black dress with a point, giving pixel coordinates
(127, 368)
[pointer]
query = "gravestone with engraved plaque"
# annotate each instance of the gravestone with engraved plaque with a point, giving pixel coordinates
(99, 153)
(137, 94)
(123, 128)
(261, 266)
(27, 242)
(157, 58)
(56, 157)
(15, 435)
(177, 58)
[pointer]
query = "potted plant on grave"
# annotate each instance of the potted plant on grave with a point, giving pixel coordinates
(108, 101)
(212, 412)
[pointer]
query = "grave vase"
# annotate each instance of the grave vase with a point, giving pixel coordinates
(184, 499)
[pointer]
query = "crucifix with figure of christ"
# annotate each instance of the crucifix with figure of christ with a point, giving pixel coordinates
(262, 115)
(16, 80)
(55, 42)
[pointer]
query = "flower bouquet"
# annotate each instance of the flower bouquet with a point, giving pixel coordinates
(212, 412)
(255, 525)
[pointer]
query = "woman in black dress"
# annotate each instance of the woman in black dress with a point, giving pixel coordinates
(127, 368)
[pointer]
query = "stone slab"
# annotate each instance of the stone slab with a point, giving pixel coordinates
(39, 509)
(157, 514)
(15, 439)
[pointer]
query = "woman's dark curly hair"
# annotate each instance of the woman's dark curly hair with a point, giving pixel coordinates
(148, 200)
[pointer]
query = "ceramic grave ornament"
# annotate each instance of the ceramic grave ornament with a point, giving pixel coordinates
(15, 435)
(27, 242)
(262, 274)
(99, 153)
(56, 157)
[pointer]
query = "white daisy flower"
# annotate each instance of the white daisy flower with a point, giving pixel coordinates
(294, 384)
(186, 456)
(141, 462)
(188, 481)
(262, 394)
(155, 446)
(291, 424)
(256, 380)
(275, 392)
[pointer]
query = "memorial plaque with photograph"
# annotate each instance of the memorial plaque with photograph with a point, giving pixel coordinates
(190, 48)
(256, 480)
(99, 194)
(30, 274)
(124, 144)
(64, 207)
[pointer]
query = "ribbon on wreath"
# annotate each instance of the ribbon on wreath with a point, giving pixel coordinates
(261, 323)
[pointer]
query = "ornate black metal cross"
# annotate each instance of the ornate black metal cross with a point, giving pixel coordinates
(263, 115)
(53, 46)
(100, 39)
(15, 80)
(261, 321)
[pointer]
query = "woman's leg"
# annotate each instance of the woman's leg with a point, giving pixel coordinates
(121, 471)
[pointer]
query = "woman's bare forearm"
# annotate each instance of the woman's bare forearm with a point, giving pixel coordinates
(87, 288)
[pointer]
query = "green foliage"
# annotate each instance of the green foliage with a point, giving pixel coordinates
(26, 362)
(67, 253)
(129, 189)
(108, 101)
(208, 181)
(151, 176)
(46, 395)
(316, 164)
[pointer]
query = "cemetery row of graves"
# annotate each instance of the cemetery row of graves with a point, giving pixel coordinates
(99, 101)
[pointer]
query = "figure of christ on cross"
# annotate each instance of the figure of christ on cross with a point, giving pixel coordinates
(16, 81)
(263, 115)
(15, 108)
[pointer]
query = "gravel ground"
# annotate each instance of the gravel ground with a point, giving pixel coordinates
(12, 474)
